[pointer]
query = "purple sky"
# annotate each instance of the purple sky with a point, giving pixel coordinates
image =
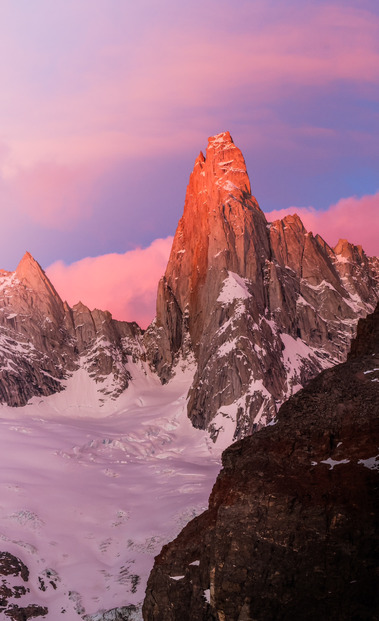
(105, 105)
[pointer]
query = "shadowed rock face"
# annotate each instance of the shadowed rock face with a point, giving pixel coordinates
(292, 527)
(262, 307)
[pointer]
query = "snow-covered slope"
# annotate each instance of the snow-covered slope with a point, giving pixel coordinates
(90, 494)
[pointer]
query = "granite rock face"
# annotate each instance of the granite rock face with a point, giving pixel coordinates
(292, 529)
(262, 307)
(43, 340)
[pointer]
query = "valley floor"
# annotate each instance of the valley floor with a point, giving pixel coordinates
(89, 493)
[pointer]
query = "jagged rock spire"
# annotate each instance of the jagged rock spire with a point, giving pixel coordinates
(222, 228)
(262, 307)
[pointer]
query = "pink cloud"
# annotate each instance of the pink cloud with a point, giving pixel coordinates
(125, 284)
(355, 219)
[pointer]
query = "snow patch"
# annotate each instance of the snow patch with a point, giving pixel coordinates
(228, 185)
(227, 347)
(234, 288)
(332, 462)
(223, 425)
(294, 353)
(177, 577)
(324, 284)
(371, 462)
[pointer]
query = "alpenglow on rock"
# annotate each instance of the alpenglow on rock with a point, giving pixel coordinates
(262, 307)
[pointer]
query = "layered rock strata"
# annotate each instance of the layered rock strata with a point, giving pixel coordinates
(292, 528)
(263, 307)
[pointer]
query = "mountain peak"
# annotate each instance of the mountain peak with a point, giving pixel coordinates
(342, 246)
(31, 274)
(293, 220)
(28, 258)
(222, 229)
(225, 167)
(27, 267)
(347, 250)
(221, 140)
(199, 160)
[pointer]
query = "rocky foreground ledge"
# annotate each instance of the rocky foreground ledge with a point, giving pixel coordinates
(292, 526)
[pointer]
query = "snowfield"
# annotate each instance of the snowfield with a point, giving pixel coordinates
(91, 490)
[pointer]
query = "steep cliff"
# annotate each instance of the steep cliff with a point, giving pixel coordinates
(292, 527)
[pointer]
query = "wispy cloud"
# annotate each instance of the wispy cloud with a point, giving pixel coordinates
(56, 196)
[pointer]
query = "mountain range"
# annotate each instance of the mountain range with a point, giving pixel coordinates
(259, 307)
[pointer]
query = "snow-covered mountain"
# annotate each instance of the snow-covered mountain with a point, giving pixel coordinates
(259, 307)
(102, 462)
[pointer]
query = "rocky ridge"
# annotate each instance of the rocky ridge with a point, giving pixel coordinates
(43, 341)
(291, 531)
(262, 307)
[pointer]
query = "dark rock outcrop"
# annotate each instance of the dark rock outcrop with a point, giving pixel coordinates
(292, 529)
(13, 569)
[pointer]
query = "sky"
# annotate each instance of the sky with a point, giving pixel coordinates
(105, 105)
